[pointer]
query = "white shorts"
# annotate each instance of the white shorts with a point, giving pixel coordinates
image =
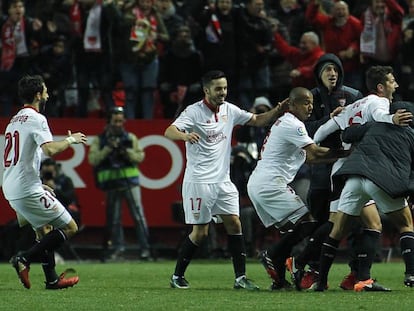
(276, 204)
(203, 201)
(359, 190)
(39, 210)
(333, 206)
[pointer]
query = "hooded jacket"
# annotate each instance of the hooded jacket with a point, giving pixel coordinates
(323, 104)
(382, 149)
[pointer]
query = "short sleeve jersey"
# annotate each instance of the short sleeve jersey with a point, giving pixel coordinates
(208, 161)
(370, 108)
(24, 135)
(282, 153)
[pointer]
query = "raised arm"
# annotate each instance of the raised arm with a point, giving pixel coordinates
(325, 130)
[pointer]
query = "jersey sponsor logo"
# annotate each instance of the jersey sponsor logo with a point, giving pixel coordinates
(213, 137)
(301, 131)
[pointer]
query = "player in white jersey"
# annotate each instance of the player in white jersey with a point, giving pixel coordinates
(284, 150)
(374, 107)
(27, 136)
(206, 127)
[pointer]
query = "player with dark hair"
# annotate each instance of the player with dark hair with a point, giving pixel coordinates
(382, 149)
(374, 107)
(206, 128)
(27, 136)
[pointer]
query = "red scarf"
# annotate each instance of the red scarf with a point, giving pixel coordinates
(152, 35)
(8, 53)
(76, 19)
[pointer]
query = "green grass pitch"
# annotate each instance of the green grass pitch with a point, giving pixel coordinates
(145, 286)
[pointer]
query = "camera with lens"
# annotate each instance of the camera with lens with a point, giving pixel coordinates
(119, 142)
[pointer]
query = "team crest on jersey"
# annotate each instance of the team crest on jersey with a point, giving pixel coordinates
(342, 102)
(44, 125)
(301, 131)
(224, 118)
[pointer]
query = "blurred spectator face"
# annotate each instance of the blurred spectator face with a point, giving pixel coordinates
(378, 7)
(224, 6)
(58, 48)
(340, 11)
(329, 76)
(145, 5)
(255, 7)
(163, 5)
(411, 8)
(288, 5)
(87, 3)
(306, 44)
(16, 11)
(184, 35)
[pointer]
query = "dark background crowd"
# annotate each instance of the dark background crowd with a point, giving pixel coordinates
(149, 55)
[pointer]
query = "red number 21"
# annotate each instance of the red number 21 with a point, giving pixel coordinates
(12, 142)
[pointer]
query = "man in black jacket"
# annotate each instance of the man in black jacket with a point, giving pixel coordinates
(383, 150)
(329, 97)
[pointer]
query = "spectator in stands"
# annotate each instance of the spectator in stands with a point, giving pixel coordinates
(92, 49)
(180, 70)
(254, 35)
(217, 42)
(290, 15)
(171, 19)
(303, 58)
(137, 35)
(115, 154)
(56, 68)
(20, 39)
(340, 34)
(380, 38)
(406, 54)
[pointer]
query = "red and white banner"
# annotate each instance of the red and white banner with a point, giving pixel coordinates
(161, 170)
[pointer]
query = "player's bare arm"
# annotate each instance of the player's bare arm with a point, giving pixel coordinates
(54, 147)
(173, 133)
(317, 154)
(269, 117)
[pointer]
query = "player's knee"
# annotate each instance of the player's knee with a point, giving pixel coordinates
(70, 229)
(374, 225)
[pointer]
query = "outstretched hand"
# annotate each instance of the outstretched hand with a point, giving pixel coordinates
(402, 117)
(284, 104)
(79, 137)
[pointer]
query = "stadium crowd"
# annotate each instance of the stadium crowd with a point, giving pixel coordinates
(149, 55)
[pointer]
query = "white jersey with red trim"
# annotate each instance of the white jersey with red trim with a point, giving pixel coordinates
(369, 108)
(24, 135)
(282, 153)
(208, 161)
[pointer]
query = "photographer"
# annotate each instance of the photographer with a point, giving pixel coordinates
(114, 154)
(62, 185)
